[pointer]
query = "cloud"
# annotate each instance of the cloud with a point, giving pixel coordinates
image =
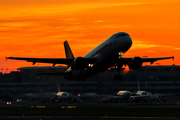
(117, 26)
(98, 21)
(143, 45)
(176, 48)
(65, 8)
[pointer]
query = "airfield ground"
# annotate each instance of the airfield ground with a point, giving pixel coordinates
(91, 110)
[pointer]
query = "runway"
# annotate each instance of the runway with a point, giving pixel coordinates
(83, 118)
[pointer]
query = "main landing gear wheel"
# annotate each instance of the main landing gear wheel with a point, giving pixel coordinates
(118, 77)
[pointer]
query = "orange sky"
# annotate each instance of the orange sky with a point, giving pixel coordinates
(31, 28)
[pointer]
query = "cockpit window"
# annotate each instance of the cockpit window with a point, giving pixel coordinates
(123, 34)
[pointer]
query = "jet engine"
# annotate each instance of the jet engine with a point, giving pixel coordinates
(78, 63)
(135, 63)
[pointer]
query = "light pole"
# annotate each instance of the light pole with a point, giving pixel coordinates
(157, 78)
(2, 69)
(145, 75)
(127, 83)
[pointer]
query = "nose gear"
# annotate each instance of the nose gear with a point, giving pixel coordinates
(118, 76)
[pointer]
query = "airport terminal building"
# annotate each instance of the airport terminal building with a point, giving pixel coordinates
(155, 79)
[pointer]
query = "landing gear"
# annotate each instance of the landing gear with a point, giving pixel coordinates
(80, 77)
(118, 77)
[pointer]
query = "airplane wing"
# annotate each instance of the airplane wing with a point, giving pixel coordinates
(54, 61)
(139, 96)
(151, 60)
(44, 60)
(164, 95)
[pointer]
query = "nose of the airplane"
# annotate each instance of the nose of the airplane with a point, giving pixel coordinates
(125, 39)
(130, 41)
(127, 42)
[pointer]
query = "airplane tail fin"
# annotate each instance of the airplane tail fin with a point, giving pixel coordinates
(68, 51)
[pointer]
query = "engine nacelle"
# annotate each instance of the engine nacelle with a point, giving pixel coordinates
(78, 63)
(135, 63)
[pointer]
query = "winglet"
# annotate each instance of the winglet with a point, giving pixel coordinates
(68, 51)
(173, 57)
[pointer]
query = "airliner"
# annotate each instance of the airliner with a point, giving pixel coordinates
(108, 54)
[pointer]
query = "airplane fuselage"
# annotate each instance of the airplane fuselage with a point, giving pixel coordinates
(107, 54)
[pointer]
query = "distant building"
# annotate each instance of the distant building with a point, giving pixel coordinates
(162, 79)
